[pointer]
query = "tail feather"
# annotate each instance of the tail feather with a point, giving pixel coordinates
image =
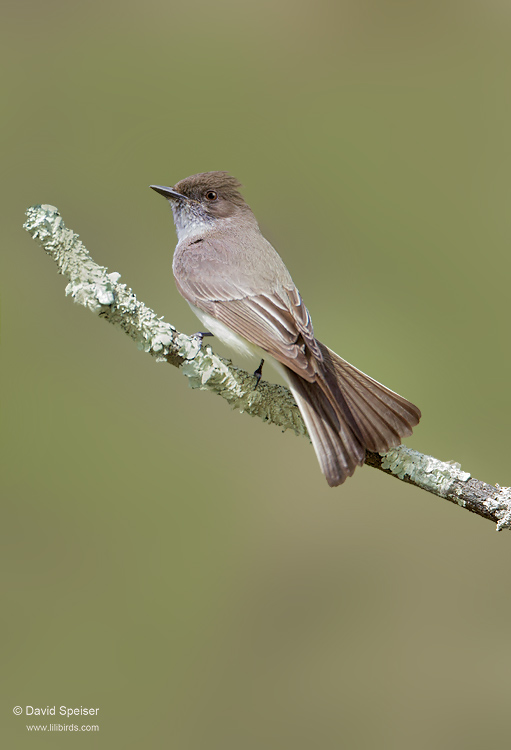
(347, 412)
(338, 448)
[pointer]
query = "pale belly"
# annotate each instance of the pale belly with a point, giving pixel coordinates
(237, 343)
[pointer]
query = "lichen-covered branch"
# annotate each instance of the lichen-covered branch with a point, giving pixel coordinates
(93, 287)
(446, 479)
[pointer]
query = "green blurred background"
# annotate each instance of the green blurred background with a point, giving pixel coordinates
(183, 567)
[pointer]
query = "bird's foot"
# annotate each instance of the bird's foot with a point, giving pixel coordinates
(258, 373)
(199, 336)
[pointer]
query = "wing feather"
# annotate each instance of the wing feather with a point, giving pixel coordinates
(275, 319)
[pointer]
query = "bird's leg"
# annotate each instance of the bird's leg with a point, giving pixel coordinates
(258, 373)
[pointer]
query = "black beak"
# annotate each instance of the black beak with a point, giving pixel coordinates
(167, 192)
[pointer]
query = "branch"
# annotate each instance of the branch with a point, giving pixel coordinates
(93, 287)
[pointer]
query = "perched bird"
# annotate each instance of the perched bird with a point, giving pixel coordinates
(240, 289)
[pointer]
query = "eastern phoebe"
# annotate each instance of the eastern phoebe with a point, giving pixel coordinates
(240, 289)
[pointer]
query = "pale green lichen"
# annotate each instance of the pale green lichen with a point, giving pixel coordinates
(425, 471)
(94, 295)
(500, 504)
(93, 287)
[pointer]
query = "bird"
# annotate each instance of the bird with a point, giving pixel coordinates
(241, 291)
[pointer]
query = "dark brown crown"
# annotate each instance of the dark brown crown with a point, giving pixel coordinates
(222, 183)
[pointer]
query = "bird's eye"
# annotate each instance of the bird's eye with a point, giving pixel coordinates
(211, 195)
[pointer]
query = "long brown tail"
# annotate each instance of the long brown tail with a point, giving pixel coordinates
(347, 412)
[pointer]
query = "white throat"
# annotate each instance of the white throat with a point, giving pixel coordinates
(188, 225)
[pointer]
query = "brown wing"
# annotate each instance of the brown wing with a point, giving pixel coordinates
(275, 318)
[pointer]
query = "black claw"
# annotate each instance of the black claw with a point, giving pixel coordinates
(258, 373)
